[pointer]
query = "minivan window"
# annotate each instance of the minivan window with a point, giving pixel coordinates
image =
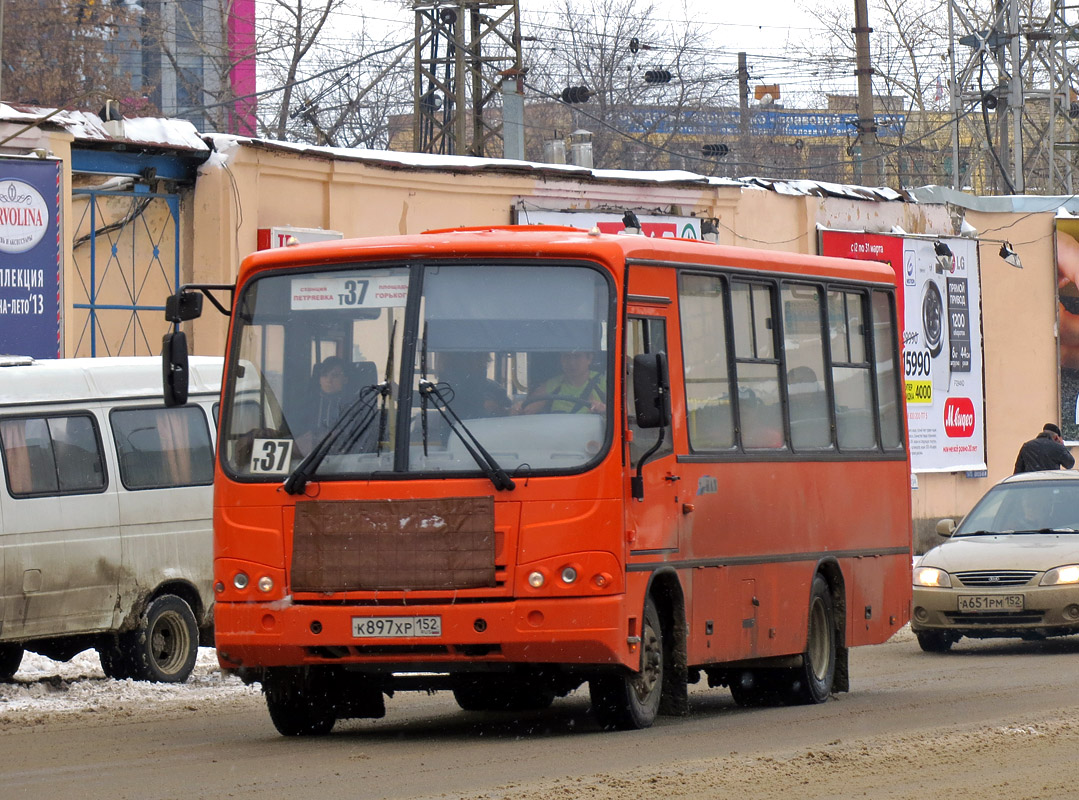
(163, 447)
(52, 455)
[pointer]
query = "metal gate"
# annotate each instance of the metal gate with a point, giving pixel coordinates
(126, 261)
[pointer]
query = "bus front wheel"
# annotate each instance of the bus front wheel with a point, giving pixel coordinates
(813, 680)
(628, 702)
(297, 705)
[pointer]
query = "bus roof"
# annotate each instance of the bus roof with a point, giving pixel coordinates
(561, 242)
(25, 381)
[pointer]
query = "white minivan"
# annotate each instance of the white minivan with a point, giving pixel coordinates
(106, 501)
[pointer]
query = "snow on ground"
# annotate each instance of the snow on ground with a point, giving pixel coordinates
(46, 690)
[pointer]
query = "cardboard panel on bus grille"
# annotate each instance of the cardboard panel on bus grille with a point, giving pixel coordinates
(352, 545)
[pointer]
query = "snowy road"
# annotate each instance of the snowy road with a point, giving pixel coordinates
(992, 719)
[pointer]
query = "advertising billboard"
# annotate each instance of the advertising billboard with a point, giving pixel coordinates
(939, 308)
(611, 222)
(1067, 257)
(30, 258)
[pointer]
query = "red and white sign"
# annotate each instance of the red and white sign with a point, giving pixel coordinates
(285, 235)
(959, 417)
(24, 216)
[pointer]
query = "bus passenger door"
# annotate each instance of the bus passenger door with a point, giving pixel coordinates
(652, 523)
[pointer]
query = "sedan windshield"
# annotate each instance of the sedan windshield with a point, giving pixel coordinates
(488, 369)
(1025, 507)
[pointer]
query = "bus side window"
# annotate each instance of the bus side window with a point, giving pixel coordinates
(887, 371)
(855, 417)
(803, 351)
(704, 342)
(757, 366)
(643, 335)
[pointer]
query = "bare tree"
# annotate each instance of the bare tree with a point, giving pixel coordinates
(57, 53)
(646, 79)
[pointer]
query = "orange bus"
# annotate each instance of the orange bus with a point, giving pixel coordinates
(506, 462)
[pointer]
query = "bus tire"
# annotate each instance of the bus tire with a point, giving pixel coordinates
(296, 707)
(813, 680)
(935, 641)
(164, 646)
(631, 702)
(10, 659)
(756, 689)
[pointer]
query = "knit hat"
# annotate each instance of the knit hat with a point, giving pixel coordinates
(1053, 429)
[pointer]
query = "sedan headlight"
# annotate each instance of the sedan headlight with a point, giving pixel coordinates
(932, 577)
(1061, 575)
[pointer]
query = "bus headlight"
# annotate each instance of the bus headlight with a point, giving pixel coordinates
(569, 575)
(240, 580)
(536, 579)
(265, 584)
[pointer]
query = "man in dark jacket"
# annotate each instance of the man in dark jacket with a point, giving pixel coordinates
(1045, 451)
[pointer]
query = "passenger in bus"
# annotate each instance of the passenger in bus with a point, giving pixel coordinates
(474, 395)
(810, 426)
(579, 389)
(328, 401)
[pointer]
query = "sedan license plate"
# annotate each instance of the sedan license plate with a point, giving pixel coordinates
(991, 602)
(396, 627)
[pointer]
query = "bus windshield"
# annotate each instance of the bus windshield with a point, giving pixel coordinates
(515, 358)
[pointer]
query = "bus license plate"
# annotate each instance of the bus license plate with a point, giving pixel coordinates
(991, 602)
(396, 627)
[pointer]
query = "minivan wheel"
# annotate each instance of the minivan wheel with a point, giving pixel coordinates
(165, 645)
(10, 658)
(115, 663)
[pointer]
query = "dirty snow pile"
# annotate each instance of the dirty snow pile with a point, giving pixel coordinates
(45, 690)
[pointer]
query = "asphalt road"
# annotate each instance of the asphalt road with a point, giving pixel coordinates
(989, 719)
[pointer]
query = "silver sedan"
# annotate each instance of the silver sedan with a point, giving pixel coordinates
(1010, 569)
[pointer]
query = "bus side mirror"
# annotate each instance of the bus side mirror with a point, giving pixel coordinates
(174, 374)
(651, 390)
(182, 306)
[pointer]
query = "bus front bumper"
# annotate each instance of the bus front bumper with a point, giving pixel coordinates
(486, 635)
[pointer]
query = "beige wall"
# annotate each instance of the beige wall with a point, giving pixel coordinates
(266, 187)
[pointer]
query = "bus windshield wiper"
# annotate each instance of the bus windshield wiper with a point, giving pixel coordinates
(348, 429)
(485, 460)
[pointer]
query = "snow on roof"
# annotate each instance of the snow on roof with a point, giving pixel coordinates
(174, 134)
(227, 145)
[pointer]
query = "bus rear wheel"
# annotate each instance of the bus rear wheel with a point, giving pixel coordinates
(812, 682)
(629, 702)
(297, 705)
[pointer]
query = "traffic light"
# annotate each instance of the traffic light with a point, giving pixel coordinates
(657, 76)
(715, 150)
(576, 94)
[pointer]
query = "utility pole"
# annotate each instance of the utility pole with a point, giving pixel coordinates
(869, 165)
(462, 50)
(743, 107)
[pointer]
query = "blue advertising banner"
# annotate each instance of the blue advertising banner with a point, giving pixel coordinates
(30, 258)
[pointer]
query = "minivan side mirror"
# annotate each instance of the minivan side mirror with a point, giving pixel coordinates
(651, 390)
(174, 371)
(946, 527)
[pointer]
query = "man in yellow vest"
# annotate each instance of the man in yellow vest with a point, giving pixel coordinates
(578, 390)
